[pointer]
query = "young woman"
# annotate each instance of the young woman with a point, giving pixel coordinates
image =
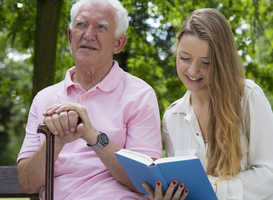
(223, 118)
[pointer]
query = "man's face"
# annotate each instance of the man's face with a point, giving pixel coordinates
(93, 38)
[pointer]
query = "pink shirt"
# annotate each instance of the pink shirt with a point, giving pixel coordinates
(122, 106)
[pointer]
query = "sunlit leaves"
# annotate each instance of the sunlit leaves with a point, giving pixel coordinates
(147, 54)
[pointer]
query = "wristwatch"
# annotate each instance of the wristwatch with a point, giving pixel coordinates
(102, 142)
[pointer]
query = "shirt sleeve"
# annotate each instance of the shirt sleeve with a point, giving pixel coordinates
(32, 141)
(256, 180)
(230, 190)
(143, 127)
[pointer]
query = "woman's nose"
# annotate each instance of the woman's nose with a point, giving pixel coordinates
(193, 68)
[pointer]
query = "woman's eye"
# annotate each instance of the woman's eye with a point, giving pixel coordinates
(182, 58)
(205, 63)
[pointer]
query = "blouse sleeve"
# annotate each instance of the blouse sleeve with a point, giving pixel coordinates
(168, 143)
(256, 180)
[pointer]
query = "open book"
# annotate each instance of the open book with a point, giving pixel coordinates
(185, 169)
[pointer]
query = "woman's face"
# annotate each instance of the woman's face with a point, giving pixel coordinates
(193, 61)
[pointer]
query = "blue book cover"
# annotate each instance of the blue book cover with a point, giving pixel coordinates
(185, 169)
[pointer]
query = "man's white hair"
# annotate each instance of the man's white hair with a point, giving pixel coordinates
(122, 22)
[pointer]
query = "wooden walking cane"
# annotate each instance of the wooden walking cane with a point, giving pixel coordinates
(49, 176)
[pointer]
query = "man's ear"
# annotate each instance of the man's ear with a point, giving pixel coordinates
(120, 43)
(69, 34)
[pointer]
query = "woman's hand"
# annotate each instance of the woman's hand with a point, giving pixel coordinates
(157, 194)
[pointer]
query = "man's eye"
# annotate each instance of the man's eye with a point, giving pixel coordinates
(80, 24)
(101, 26)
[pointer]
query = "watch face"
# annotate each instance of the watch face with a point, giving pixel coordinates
(104, 138)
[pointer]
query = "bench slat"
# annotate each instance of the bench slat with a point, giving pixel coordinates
(9, 184)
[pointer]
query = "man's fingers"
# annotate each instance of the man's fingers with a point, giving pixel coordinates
(57, 108)
(51, 110)
(64, 121)
(48, 121)
(73, 119)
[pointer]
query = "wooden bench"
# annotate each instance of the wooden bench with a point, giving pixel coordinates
(9, 184)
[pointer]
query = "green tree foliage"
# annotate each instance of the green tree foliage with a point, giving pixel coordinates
(15, 76)
(15, 96)
(148, 54)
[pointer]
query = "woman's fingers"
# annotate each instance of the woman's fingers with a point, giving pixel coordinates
(169, 191)
(180, 194)
(149, 190)
(158, 190)
(178, 191)
(184, 194)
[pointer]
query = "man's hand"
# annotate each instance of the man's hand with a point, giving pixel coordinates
(61, 119)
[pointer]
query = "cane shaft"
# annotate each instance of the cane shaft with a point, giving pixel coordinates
(49, 176)
(49, 167)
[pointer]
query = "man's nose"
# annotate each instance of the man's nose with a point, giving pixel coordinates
(90, 33)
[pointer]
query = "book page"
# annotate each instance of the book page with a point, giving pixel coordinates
(136, 156)
(176, 158)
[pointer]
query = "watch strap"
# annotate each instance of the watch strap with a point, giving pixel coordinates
(100, 144)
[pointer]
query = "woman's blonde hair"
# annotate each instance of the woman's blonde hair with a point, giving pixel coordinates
(226, 87)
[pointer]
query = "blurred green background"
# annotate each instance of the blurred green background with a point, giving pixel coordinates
(24, 29)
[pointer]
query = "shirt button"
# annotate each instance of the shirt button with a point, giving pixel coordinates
(84, 97)
(197, 134)
(76, 86)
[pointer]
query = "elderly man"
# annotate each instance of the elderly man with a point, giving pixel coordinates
(117, 111)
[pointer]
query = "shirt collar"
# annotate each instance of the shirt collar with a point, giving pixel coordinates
(112, 79)
(109, 82)
(183, 105)
(67, 80)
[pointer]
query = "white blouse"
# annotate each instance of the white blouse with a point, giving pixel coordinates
(183, 136)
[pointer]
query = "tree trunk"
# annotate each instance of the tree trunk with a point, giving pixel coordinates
(47, 26)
